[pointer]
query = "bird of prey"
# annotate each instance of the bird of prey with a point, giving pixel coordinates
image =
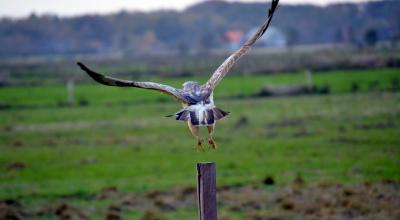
(197, 100)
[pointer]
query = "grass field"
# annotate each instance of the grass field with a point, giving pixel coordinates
(338, 81)
(121, 139)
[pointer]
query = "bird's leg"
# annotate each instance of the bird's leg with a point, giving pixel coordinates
(210, 137)
(196, 133)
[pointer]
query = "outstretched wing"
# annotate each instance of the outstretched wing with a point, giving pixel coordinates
(110, 81)
(222, 70)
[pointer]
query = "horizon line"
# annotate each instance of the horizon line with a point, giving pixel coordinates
(151, 10)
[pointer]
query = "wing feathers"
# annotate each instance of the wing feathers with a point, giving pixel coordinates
(106, 80)
(224, 68)
(110, 81)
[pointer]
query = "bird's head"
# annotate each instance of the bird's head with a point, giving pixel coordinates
(190, 84)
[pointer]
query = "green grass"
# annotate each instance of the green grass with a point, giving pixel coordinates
(137, 151)
(77, 151)
(338, 81)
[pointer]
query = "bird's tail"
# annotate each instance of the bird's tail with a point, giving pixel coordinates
(201, 117)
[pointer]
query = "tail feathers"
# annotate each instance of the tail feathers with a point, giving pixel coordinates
(219, 113)
(210, 119)
(182, 115)
(194, 118)
(204, 117)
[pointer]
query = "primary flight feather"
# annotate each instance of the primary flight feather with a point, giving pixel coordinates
(197, 100)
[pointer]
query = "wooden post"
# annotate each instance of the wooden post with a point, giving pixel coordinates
(309, 79)
(70, 91)
(206, 191)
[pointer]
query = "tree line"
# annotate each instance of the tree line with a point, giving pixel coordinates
(199, 27)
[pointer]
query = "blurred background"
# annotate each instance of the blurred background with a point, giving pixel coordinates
(315, 109)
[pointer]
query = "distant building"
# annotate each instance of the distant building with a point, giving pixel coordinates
(233, 38)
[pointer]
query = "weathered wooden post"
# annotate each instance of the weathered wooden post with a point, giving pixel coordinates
(70, 92)
(207, 191)
(309, 78)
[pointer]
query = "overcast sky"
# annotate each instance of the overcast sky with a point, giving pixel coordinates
(22, 8)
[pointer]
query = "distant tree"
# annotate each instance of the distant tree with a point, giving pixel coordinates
(183, 48)
(200, 26)
(148, 41)
(206, 42)
(371, 37)
(292, 36)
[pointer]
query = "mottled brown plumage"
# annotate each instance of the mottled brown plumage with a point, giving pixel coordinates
(197, 100)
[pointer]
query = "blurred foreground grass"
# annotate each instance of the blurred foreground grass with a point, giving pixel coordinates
(49, 152)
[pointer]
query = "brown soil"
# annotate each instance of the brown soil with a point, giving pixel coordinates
(16, 166)
(293, 201)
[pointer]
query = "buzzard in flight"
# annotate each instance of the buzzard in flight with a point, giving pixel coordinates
(197, 100)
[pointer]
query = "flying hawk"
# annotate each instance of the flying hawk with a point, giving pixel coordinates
(197, 100)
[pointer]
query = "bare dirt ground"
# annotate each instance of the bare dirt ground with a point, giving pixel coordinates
(294, 201)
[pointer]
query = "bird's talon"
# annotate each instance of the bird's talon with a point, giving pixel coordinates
(213, 145)
(199, 146)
